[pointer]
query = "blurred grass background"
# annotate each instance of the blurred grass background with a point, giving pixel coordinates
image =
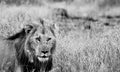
(83, 45)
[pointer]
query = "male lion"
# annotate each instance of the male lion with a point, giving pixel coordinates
(34, 47)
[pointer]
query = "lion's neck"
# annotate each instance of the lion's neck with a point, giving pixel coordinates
(46, 66)
(38, 67)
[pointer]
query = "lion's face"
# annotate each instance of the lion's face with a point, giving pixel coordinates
(41, 43)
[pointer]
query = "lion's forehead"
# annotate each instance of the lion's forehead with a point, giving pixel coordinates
(43, 32)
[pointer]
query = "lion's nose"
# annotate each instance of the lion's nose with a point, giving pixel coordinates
(44, 52)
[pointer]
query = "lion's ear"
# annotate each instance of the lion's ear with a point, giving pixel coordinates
(28, 28)
(54, 29)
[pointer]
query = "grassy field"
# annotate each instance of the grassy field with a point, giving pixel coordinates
(83, 44)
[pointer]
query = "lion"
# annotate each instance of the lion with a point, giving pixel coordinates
(35, 46)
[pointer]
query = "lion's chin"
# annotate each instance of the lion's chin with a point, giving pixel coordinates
(43, 59)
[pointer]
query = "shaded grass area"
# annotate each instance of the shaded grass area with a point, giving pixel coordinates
(95, 48)
(39, 2)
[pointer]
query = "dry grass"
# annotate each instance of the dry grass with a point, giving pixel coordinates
(78, 49)
(13, 18)
(79, 53)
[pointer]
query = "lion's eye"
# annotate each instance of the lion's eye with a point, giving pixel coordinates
(38, 38)
(48, 39)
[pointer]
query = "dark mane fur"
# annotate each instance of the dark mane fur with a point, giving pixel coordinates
(17, 35)
(23, 58)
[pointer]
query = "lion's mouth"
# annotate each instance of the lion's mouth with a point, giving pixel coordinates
(43, 58)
